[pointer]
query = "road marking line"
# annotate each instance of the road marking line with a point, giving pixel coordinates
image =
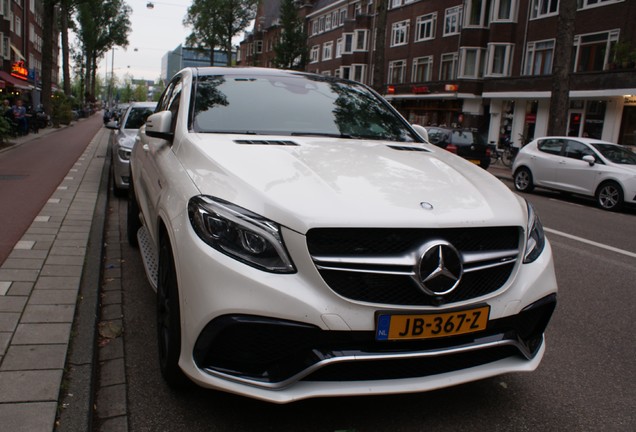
(590, 242)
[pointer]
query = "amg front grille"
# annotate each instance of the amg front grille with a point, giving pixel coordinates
(380, 265)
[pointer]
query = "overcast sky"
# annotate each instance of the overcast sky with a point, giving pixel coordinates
(154, 32)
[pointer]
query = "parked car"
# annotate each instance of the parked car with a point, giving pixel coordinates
(304, 241)
(584, 166)
(122, 139)
(463, 142)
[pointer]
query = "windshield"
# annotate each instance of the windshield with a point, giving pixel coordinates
(137, 117)
(616, 154)
(467, 137)
(293, 105)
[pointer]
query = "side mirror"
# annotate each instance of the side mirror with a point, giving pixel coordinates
(589, 159)
(112, 125)
(421, 131)
(158, 125)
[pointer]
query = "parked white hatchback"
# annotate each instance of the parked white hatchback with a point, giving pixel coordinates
(305, 241)
(582, 166)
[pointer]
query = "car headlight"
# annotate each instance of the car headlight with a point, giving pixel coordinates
(124, 153)
(535, 241)
(239, 233)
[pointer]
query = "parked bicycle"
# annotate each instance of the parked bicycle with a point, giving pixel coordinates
(506, 154)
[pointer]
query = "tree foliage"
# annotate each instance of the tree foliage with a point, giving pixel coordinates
(291, 51)
(102, 25)
(215, 22)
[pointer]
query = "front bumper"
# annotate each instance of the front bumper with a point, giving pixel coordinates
(275, 354)
(283, 338)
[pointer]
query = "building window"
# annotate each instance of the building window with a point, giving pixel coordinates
(18, 26)
(584, 4)
(4, 7)
(343, 16)
(335, 22)
(544, 8)
(400, 33)
(345, 72)
(327, 22)
(448, 67)
(347, 48)
(339, 48)
(6, 47)
(499, 59)
(258, 46)
(504, 10)
(397, 70)
(359, 72)
(314, 54)
(452, 21)
(425, 27)
(327, 50)
(539, 57)
(477, 14)
(357, 7)
(422, 69)
(592, 51)
(471, 62)
(361, 40)
(396, 4)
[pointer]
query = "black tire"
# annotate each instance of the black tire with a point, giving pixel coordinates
(132, 217)
(609, 196)
(523, 180)
(168, 318)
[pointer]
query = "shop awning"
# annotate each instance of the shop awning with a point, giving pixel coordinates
(14, 82)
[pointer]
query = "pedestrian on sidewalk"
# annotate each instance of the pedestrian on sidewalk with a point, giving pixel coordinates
(20, 116)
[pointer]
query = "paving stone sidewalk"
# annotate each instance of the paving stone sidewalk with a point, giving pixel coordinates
(40, 298)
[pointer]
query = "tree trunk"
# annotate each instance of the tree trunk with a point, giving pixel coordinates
(47, 52)
(66, 74)
(560, 98)
(89, 75)
(380, 37)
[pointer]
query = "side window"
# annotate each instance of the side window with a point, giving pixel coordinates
(164, 100)
(551, 146)
(576, 150)
(173, 103)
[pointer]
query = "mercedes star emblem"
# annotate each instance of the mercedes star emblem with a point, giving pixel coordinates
(439, 269)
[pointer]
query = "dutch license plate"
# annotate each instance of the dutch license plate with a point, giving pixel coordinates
(476, 162)
(428, 326)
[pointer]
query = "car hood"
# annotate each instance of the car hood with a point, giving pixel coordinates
(303, 183)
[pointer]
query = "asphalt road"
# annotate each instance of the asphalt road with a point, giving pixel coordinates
(586, 382)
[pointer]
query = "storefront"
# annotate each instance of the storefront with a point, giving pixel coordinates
(519, 118)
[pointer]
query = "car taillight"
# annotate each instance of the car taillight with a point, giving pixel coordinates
(487, 152)
(452, 148)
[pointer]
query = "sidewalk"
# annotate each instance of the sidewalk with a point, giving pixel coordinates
(43, 306)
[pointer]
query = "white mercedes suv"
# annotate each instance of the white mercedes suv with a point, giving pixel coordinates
(304, 240)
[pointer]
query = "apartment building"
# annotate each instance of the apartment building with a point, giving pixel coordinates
(484, 64)
(21, 50)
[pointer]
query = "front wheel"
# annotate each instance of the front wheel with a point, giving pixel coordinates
(168, 318)
(132, 217)
(523, 180)
(609, 196)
